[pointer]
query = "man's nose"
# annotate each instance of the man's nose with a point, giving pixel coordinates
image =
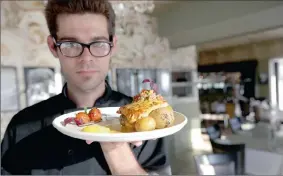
(86, 55)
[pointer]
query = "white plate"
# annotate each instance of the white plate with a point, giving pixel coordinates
(112, 119)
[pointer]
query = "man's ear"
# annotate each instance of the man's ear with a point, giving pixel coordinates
(114, 48)
(51, 46)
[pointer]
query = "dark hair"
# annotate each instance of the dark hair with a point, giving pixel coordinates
(56, 7)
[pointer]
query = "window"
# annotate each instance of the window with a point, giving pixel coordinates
(276, 82)
(183, 84)
(9, 89)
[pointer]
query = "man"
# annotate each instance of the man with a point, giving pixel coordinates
(82, 38)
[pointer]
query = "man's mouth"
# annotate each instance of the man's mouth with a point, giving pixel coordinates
(86, 71)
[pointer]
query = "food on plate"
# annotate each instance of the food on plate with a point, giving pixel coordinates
(84, 118)
(164, 117)
(147, 106)
(145, 124)
(96, 129)
(95, 115)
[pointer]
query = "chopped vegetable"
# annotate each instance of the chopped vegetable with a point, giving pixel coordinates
(84, 118)
(95, 115)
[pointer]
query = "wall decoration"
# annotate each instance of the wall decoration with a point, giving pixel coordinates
(40, 84)
(263, 78)
(9, 89)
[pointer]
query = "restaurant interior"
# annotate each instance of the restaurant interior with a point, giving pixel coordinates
(220, 63)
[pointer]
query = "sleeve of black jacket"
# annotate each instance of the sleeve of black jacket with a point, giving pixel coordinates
(8, 141)
(13, 134)
(153, 156)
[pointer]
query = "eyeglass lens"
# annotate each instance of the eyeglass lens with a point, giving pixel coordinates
(73, 49)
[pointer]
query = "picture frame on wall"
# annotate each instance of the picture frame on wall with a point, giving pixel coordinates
(40, 84)
(263, 78)
(10, 95)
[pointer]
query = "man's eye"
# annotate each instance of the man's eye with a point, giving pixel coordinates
(100, 44)
(70, 44)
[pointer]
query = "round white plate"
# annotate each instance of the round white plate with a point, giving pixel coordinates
(111, 119)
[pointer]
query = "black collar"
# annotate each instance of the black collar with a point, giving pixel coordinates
(104, 98)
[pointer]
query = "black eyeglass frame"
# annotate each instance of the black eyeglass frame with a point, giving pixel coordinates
(84, 45)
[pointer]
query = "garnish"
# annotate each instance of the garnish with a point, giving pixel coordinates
(84, 118)
(68, 120)
(152, 84)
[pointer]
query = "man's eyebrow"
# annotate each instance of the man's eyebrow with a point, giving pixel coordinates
(100, 38)
(75, 39)
(67, 38)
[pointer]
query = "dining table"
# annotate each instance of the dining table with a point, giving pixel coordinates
(264, 152)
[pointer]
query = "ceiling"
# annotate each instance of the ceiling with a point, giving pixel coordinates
(238, 36)
(161, 6)
(244, 39)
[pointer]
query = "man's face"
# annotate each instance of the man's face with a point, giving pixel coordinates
(86, 71)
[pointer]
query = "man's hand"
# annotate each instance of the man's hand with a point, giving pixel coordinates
(112, 145)
(115, 152)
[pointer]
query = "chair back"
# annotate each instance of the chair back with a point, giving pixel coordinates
(214, 131)
(235, 124)
(235, 149)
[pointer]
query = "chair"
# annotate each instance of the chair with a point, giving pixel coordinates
(214, 131)
(216, 164)
(235, 124)
(236, 149)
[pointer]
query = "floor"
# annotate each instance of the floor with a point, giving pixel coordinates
(183, 163)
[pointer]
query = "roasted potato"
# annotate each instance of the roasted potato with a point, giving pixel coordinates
(127, 129)
(125, 125)
(164, 117)
(145, 124)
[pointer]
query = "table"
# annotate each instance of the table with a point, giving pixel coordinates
(262, 158)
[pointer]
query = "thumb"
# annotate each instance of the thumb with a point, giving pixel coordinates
(137, 144)
(89, 142)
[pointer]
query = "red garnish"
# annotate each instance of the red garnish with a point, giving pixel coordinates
(153, 85)
(68, 120)
(78, 121)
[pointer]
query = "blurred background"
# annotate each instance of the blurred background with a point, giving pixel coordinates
(218, 62)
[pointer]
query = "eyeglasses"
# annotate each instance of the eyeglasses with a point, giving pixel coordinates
(75, 49)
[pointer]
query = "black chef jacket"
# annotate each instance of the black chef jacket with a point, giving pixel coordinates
(31, 145)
